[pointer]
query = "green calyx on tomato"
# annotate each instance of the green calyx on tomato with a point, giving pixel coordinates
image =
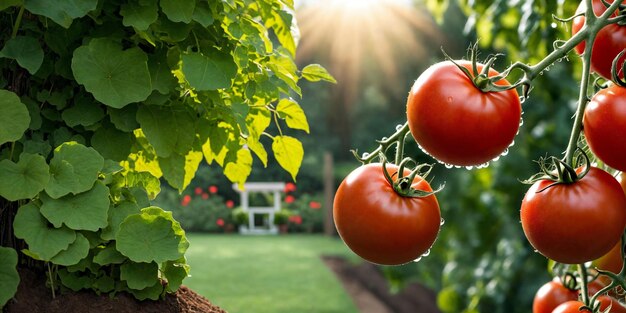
(402, 185)
(559, 172)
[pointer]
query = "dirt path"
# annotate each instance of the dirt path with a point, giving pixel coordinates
(369, 290)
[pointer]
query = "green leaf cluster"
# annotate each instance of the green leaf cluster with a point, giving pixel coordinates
(101, 100)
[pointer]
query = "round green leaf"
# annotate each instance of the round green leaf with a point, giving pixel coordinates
(178, 10)
(175, 272)
(14, 117)
(84, 211)
(26, 51)
(9, 278)
(116, 217)
(139, 16)
(24, 179)
(84, 112)
(75, 168)
(153, 292)
(168, 129)
(112, 143)
(109, 255)
(139, 275)
(148, 237)
(63, 12)
(115, 77)
(77, 251)
(42, 239)
(210, 71)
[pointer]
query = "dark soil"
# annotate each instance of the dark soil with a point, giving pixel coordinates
(33, 297)
(369, 289)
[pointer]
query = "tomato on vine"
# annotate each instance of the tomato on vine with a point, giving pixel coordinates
(551, 294)
(454, 120)
(570, 307)
(380, 225)
(573, 223)
(604, 125)
(609, 42)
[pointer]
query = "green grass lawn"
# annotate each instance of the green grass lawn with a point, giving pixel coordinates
(273, 274)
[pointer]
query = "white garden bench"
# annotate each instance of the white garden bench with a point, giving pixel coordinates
(262, 187)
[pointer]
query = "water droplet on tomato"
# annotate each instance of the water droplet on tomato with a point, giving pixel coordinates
(426, 253)
(418, 259)
(442, 222)
(450, 99)
(505, 152)
(449, 166)
(469, 168)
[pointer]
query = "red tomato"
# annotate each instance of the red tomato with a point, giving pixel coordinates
(570, 307)
(612, 261)
(610, 41)
(604, 124)
(551, 294)
(577, 222)
(457, 123)
(616, 306)
(380, 225)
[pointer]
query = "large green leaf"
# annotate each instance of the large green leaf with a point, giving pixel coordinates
(153, 292)
(210, 71)
(139, 275)
(179, 170)
(169, 130)
(84, 211)
(112, 143)
(138, 15)
(14, 117)
(109, 255)
(26, 51)
(289, 153)
(63, 12)
(42, 239)
(84, 112)
(293, 114)
(74, 280)
(74, 168)
(76, 251)
(24, 179)
(178, 10)
(114, 76)
(148, 237)
(9, 278)
(117, 215)
(175, 272)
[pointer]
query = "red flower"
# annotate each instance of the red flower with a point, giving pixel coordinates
(213, 189)
(290, 199)
(296, 219)
(290, 187)
(230, 204)
(205, 195)
(198, 190)
(315, 205)
(186, 200)
(219, 222)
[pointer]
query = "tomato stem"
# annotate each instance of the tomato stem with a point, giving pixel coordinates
(383, 145)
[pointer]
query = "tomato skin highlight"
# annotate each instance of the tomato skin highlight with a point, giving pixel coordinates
(378, 224)
(609, 42)
(577, 222)
(457, 123)
(604, 124)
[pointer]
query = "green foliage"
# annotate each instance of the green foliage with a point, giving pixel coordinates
(100, 100)
(9, 278)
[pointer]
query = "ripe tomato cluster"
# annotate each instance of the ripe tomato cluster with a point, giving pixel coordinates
(555, 297)
(465, 114)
